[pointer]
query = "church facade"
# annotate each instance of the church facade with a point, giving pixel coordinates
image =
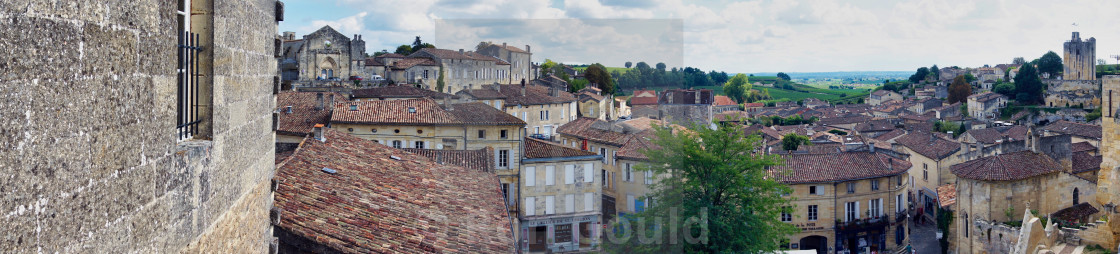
(321, 55)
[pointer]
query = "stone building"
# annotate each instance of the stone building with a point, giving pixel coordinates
(543, 108)
(985, 106)
(686, 106)
(1080, 58)
(561, 189)
(931, 155)
(518, 59)
(398, 92)
(593, 104)
(461, 69)
(881, 96)
(322, 54)
(1079, 132)
(996, 189)
(338, 193)
(1079, 86)
(723, 104)
(846, 200)
(102, 155)
(643, 104)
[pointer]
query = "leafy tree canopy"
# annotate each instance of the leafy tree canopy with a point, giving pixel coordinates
(737, 88)
(1050, 63)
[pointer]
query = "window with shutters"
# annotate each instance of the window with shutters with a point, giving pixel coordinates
(549, 175)
(504, 134)
(627, 175)
(588, 202)
(850, 211)
(418, 144)
(397, 144)
(530, 205)
(851, 187)
(813, 190)
(530, 176)
(873, 207)
(649, 177)
(875, 184)
(588, 172)
(503, 158)
(549, 205)
(569, 174)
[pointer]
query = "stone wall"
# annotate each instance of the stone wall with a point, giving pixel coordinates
(686, 114)
(1073, 93)
(89, 158)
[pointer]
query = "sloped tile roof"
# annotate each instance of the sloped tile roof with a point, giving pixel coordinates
(1069, 215)
(875, 125)
(724, 101)
(928, 144)
(374, 203)
(837, 167)
(536, 148)
(1074, 129)
(986, 96)
(592, 129)
(304, 115)
(999, 134)
(413, 61)
(481, 159)
(422, 111)
(947, 194)
(588, 95)
(644, 97)
(890, 135)
(511, 94)
(1084, 162)
(636, 143)
(1007, 167)
(1082, 146)
(395, 91)
(510, 48)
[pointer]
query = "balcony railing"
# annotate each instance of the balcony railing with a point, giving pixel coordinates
(864, 223)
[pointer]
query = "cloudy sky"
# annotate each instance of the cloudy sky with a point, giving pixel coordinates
(732, 36)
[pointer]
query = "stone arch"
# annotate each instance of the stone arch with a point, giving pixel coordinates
(1076, 196)
(814, 242)
(327, 67)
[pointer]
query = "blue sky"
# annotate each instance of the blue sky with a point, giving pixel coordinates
(733, 36)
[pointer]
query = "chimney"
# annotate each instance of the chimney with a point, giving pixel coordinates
(318, 132)
(318, 101)
(871, 147)
(330, 102)
(289, 111)
(503, 45)
(522, 87)
(527, 49)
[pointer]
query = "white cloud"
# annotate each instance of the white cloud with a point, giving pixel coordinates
(763, 36)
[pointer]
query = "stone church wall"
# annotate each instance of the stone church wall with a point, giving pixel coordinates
(89, 158)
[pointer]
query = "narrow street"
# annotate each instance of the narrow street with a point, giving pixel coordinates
(923, 238)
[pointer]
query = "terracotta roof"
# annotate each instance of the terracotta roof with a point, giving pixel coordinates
(374, 203)
(422, 111)
(636, 143)
(511, 94)
(592, 129)
(642, 100)
(394, 91)
(837, 167)
(844, 119)
(947, 194)
(481, 159)
(536, 148)
(373, 62)
(1074, 129)
(929, 145)
(510, 48)
(484, 93)
(1069, 216)
(754, 105)
(588, 95)
(1082, 146)
(1085, 162)
(1007, 167)
(724, 101)
(999, 134)
(414, 61)
(304, 115)
(391, 55)
(986, 96)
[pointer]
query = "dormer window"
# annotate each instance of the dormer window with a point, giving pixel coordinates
(411, 110)
(353, 107)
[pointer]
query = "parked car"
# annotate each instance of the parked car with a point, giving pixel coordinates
(377, 78)
(358, 78)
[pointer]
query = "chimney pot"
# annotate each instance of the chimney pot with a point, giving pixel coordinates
(318, 132)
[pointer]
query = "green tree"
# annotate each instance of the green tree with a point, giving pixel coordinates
(577, 84)
(379, 53)
(935, 72)
(1028, 86)
(1005, 88)
(791, 141)
(628, 64)
(1050, 63)
(661, 66)
(597, 74)
(716, 188)
(737, 88)
(969, 78)
(783, 76)
(919, 75)
(959, 90)
(404, 50)
(439, 81)
(417, 44)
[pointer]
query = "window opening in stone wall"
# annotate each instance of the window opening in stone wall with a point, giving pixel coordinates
(187, 88)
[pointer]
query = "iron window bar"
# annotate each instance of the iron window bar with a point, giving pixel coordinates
(187, 106)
